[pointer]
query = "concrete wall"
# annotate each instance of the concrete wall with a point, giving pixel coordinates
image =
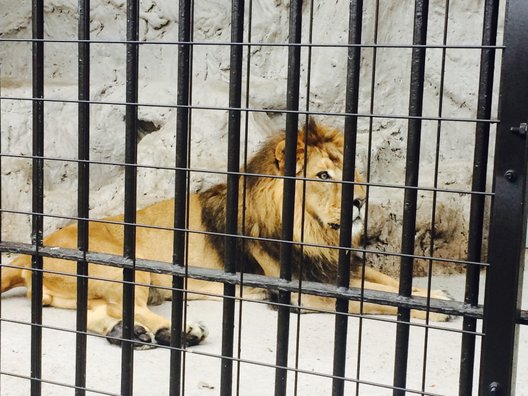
(158, 74)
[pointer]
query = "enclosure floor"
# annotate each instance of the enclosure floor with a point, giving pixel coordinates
(257, 346)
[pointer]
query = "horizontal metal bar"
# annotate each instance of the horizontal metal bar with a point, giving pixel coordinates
(226, 173)
(269, 283)
(251, 238)
(205, 294)
(281, 111)
(260, 44)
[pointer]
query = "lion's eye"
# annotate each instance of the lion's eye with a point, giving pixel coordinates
(323, 175)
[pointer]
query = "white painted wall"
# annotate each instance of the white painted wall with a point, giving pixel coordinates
(158, 74)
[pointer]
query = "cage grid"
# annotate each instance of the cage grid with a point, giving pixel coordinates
(288, 284)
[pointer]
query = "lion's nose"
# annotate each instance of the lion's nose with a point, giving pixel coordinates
(358, 203)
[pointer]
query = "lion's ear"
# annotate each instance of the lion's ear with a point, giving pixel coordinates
(312, 131)
(279, 155)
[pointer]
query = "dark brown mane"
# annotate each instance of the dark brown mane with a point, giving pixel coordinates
(322, 268)
(213, 217)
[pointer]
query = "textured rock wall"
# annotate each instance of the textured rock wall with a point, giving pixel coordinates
(267, 91)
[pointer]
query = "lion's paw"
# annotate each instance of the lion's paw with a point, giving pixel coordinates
(438, 294)
(441, 295)
(195, 333)
(142, 337)
(433, 316)
(434, 294)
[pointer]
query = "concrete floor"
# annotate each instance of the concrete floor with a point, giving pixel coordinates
(202, 366)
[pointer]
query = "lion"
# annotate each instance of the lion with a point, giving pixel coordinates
(319, 159)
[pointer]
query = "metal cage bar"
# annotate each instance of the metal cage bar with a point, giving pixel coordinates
(303, 203)
(180, 193)
(347, 193)
(290, 164)
(129, 244)
(37, 196)
(83, 193)
(264, 44)
(480, 168)
(509, 214)
(232, 256)
(242, 242)
(262, 110)
(367, 189)
(421, 13)
(435, 184)
(1, 222)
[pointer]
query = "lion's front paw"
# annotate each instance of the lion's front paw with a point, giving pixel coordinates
(195, 333)
(441, 295)
(433, 316)
(438, 294)
(142, 337)
(434, 294)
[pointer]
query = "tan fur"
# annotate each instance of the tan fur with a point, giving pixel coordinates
(323, 148)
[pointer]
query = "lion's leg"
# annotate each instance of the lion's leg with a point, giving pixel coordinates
(375, 308)
(311, 302)
(204, 290)
(106, 318)
(377, 277)
(160, 326)
(98, 319)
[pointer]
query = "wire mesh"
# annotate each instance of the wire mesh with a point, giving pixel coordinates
(244, 254)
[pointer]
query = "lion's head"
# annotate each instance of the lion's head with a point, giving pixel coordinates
(320, 160)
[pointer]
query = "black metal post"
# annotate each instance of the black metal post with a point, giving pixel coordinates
(243, 204)
(233, 165)
(509, 213)
(476, 217)
(1, 214)
(410, 198)
(288, 204)
(367, 187)
(129, 248)
(435, 185)
(180, 191)
(83, 194)
(37, 195)
(347, 193)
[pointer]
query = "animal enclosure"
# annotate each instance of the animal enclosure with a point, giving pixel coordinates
(109, 107)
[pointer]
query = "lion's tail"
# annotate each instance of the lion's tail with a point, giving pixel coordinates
(12, 275)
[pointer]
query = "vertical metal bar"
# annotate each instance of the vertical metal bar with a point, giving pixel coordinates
(244, 195)
(129, 246)
(290, 159)
(83, 191)
(367, 192)
(180, 192)
(233, 165)
(509, 214)
(435, 193)
(303, 204)
(1, 215)
(37, 195)
(411, 180)
(476, 217)
(347, 192)
(435, 185)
